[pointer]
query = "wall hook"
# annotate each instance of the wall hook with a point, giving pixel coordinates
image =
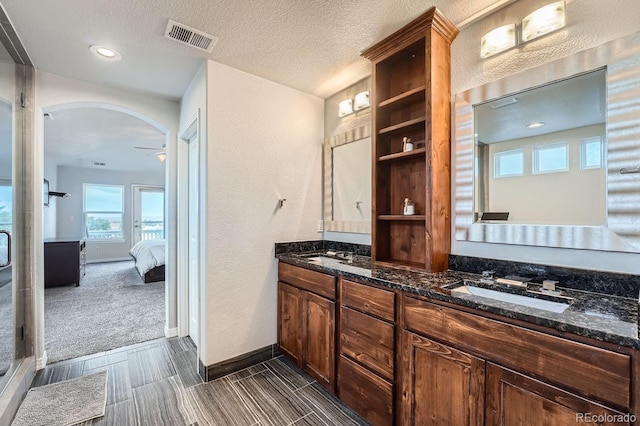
(281, 201)
(358, 204)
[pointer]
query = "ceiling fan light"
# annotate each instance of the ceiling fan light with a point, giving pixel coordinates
(161, 156)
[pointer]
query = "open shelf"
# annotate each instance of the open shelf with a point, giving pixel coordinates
(400, 264)
(411, 86)
(405, 125)
(403, 155)
(413, 217)
(403, 99)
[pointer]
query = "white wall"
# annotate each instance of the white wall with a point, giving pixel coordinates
(589, 24)
(264, 143)
(49, 214)
(56, 92)
(70, 216)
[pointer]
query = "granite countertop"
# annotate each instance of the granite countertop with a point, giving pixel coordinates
(604, 317)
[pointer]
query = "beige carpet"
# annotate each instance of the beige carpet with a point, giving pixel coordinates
(112, 308)
(64, 403)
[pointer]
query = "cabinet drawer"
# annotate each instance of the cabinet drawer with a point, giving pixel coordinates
(372, 300)
(367, 340)
(315, 282)
(590, 371)
(365, 393)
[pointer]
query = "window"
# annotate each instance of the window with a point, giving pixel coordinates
(508, 163)
(551, 158)
(591, 153)
(6, 205)
(103, 211)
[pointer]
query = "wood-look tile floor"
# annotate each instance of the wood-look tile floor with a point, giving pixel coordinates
(156, 383)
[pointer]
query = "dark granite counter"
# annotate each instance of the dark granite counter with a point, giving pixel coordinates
(604, 317)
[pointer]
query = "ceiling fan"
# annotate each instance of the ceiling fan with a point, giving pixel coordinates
(161, 153)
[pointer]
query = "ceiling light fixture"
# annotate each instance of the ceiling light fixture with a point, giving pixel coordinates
(105, 53)
(161, 156)
(535, 124)
(543, 21)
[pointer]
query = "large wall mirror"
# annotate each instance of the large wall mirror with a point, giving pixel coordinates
(347, 171)
(551, 156)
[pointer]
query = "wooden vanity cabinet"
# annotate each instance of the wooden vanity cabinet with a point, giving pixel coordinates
(366, 363)
(306, 321)
(459, 368)
(515, 399)
(443, 386)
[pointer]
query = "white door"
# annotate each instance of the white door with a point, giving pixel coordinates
(148, 213)
(194, 237)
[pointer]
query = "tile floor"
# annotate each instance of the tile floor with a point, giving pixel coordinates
(155, 383)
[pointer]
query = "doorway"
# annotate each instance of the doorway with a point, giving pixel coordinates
(109, 163)
(148, 213)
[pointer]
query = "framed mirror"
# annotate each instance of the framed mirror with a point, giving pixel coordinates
(347, 181)
(574, 180)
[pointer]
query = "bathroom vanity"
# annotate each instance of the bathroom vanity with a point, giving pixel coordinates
(403, 347)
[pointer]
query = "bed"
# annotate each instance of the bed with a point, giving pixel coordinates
(149, 256)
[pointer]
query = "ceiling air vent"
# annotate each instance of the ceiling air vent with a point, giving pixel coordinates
(190, 36)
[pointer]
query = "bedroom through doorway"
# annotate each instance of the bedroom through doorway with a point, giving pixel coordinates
(109, 223)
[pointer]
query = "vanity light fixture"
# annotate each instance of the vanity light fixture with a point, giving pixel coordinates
(161, 156)
(361, 101)
(535, 124)
(538, 23)
(105, 53)
(498, 40)
(345, 108)
(543, 21)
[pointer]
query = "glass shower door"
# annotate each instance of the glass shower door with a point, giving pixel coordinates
(11, 343)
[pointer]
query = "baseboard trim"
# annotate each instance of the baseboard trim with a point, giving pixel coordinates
(171, 332)
(117, 259)
(240, 362)
(42, 361)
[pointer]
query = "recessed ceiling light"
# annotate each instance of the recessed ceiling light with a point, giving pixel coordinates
(535, 124)
(105, 52)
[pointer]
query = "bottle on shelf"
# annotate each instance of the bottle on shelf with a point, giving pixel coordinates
(407, 145)
(409, 207)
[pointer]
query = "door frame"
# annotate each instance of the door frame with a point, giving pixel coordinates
(189, 131)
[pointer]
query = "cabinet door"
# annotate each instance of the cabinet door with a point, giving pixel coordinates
(514, 399)
(441, 385)
(290, 321)
(319, 339)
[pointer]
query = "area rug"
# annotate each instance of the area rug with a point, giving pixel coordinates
(112, 308)
(64, 403)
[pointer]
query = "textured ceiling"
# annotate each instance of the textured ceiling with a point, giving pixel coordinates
(78, 137)
(311, 45)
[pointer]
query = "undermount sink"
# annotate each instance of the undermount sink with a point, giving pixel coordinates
(546, 302)
(322, 260)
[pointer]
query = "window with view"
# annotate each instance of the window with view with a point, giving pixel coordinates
(6, 219)
(508, 163)
(103, 211)
(551, 158)
(591, 153)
